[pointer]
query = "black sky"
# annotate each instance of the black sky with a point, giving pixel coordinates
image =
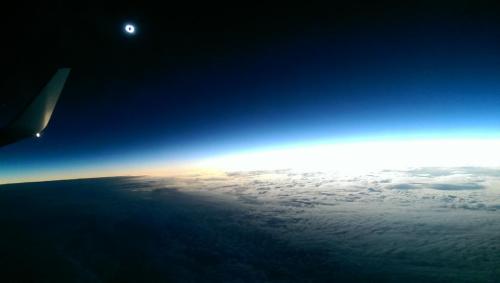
(222, 75)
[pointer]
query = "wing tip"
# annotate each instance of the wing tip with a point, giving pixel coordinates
(36, 115)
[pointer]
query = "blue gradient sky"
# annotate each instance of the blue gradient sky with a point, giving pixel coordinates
(135, 104)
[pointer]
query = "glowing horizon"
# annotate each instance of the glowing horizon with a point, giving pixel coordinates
(348, 157)
(368, 155)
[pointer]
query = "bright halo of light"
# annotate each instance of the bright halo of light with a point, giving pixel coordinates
(366, 156)
(37, 135)
(129, 28)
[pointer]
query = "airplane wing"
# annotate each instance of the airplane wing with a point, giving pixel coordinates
(36, 115)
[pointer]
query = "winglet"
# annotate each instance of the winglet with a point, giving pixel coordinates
(36, 115)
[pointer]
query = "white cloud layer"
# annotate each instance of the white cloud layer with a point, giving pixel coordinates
(416, 219)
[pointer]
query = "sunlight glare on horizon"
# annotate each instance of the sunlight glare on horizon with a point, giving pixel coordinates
(362, 156)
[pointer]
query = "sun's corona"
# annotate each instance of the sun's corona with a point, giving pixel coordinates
(129, 28)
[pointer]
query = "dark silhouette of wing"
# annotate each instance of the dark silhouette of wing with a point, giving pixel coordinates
(36, 115)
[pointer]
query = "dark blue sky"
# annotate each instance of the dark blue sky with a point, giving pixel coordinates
(192, 85)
